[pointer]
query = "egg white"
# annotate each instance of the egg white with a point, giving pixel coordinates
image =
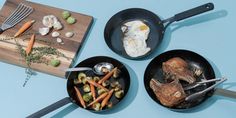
(135, 35)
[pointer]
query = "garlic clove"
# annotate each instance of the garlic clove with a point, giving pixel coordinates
(59, 40)
(57, 25)
(69, 34)
(49, 20)
(55, 34)
(44, 31)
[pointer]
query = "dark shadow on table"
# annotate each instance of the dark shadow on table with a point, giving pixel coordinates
(188, 22)
(130, 96)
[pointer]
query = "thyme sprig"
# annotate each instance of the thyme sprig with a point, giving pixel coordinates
(38, 55)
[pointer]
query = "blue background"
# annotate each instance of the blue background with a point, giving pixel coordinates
(212, 35)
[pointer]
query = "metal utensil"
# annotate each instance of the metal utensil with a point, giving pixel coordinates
(97, 69)
(191, 86)
(21, 12)
(200, 93)
(225, 93)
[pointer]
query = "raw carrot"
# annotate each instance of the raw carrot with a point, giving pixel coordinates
(97, 85)
(98, 99)
(80, 97)
(107, 76)
(106, 99)
(30, 44)
(92, 88)
(24, 28)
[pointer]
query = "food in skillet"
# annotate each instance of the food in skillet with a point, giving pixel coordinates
(95, 92)
(175, 70)
(169, 94)
(135, 35)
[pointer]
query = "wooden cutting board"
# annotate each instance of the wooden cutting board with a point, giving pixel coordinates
(9, 53)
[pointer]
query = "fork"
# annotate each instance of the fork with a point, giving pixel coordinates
(21, 12)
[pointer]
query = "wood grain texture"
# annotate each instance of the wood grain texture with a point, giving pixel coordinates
(8, 51)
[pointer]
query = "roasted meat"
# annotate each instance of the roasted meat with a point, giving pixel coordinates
(169, 94)
(177, 68)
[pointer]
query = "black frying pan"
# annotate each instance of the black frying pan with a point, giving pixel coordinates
(113, 34)
(154, 70)
(124, 80)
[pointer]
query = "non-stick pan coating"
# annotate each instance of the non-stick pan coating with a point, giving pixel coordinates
(124, 78)
(154, 70)
(113, 34)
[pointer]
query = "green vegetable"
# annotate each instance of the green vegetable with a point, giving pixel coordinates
(117, 88)
(55, 62)
(65, 14)
(86, 88)
(114, 84)
(96, 79)
(119, 94)
(116, 73)
(71, 20)
(87, 97)
(96, 106)
(79, 80)
(105, 83)
(101, 91)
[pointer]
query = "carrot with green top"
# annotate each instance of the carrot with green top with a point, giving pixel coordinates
(24, 27)
(106, 99)
(98, 99)
(79, 96)
(30, 44)
(107, 76)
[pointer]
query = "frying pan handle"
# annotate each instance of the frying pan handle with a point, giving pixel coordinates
(226, 93)
(50, 108)
(194, 11)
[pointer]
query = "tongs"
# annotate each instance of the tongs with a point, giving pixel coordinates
(192, 86)
(200, 93)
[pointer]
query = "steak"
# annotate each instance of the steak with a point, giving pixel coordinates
(169, 94)
(177, 68)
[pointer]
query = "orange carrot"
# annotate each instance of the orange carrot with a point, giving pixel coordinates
(98, 99)
(93, 91)
(24, 28)
(30, 44)
(80, 97)
(107, 76)
(97, 85)
(106, 99)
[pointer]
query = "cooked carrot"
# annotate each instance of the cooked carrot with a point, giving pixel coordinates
(24, 28)
(107, 76)
(30, 44)
(92, 88)
(106, 99)
(79, 96)
(97, 85)
(98, 99)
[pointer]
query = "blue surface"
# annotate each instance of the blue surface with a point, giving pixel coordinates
(212, 35)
